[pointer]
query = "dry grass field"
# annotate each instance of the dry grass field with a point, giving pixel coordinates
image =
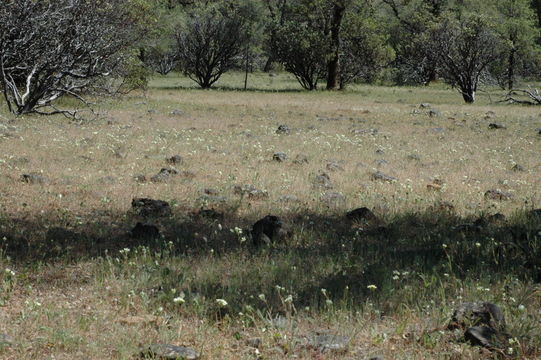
(79, 285)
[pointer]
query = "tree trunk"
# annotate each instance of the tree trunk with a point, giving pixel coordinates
(468, 95)
(333, 65)
(268, 65)
(511, 70)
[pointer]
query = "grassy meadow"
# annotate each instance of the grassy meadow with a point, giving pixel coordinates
(74, 284)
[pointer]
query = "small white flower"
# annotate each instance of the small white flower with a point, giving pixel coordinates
(444, 246)
(179, 300)
(262, 297)
(521, 308)
(372, 287)
(396, 277)
(10, 272)
(324, 292)
(289, 299)
(221, 302)
(478, 244)
(328, 302)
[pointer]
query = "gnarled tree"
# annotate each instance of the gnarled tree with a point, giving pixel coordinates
(49, 49)
(213, 40)
(465, 44)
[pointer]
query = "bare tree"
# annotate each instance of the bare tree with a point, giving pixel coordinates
(211, 43)
(49, 49)
(161, 61)
(465, 46)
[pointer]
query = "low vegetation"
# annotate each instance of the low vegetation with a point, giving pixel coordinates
(451, 199)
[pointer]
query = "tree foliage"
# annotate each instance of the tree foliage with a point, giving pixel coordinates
(212, 39)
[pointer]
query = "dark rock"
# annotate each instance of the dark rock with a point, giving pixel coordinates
(477, 314)
(380, 152)
(210, 191)
(140, 178)
(254, 342)
(518, 168)
(283, 129)
(323, 180)
(495, 126)
(329, 343)
(169, 352)
(145, 231)
(487, 337)
(498, 195)
(381, 162)
(334, 166)
(268, 230)
(177, 112)
(251, 191)
(164, 175)
(211, 214)
(378, 175)
(35, 178)
(175, 159)
(413, 157)
(363, 213)
(434, 113)
(301, 159)
(425, 106)
(279, 157)
(150, 207)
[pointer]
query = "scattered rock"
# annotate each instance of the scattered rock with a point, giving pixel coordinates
(283, 130)
(164, 175)
(413, 157)
(490, 115)
(175, 159)
(437, 130)
(254, 342)
(140, 178)
(173, 352)
(334, 166)
(209, 191)
(289, 199)
(145, 231)
(279, 157)
(487, 337)
(434, 113)
(365, 131)
(498, 195)
(251, 191)
(477, 314)
(301, 159)
(323, 180)
(35, 178)
(380, 152)
(494, 126)
(433, 187)
(329, 343)
(381, 162)
(177, 112)
(378, 175)
(362, 213)
(333, 198)
(151, 208)
(518, 168)
(425, 106)
(268, 230)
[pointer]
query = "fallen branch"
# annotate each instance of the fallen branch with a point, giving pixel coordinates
(529, 97)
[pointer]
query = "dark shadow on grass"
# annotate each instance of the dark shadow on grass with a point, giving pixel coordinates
(233, 88)
(334, 253)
